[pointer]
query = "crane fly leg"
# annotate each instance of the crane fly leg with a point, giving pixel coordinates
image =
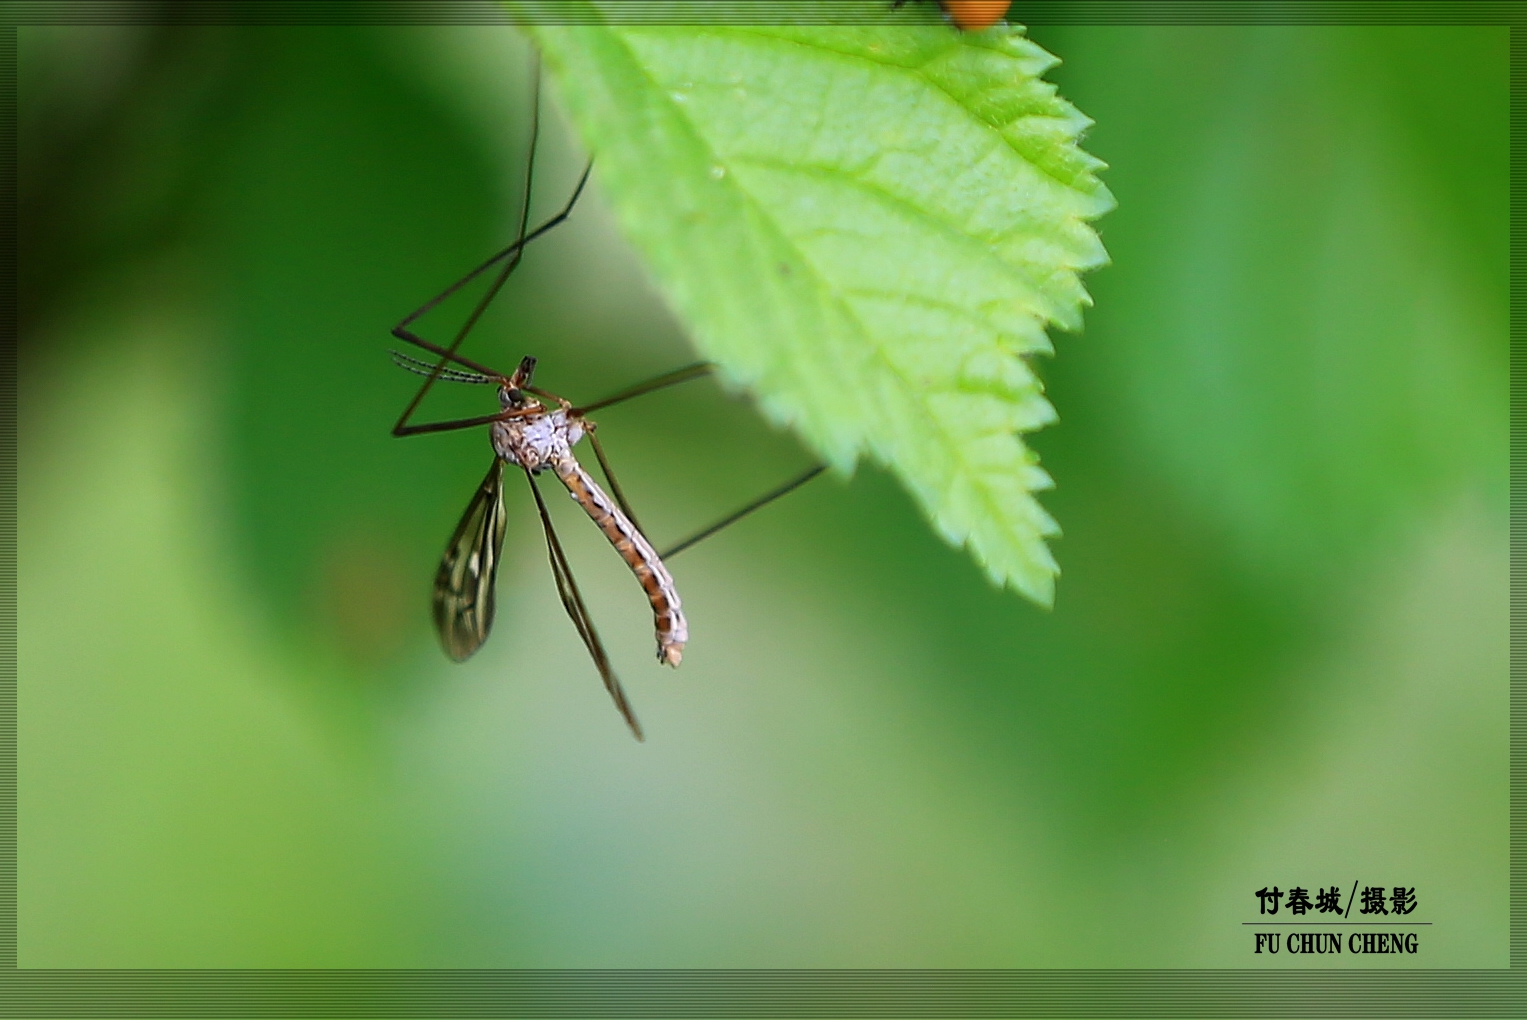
(732, 518)
(448, 354)
(461, 423)
(572, 601)
(678, 375)
(510, 256)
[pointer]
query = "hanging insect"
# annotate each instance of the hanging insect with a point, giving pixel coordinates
(535, 430)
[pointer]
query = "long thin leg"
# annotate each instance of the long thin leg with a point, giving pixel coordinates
(572, 601)
(513, 253)
(762, 501)
(673, 378)
(464, 423)
(511, 257)
(448, 354)
(562, 572)
(678, 375)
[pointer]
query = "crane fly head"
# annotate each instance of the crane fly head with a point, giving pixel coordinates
(512, 393)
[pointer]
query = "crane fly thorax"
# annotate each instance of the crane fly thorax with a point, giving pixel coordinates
(538, 439)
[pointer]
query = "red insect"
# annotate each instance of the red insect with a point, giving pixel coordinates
(974, 15)
(971, 15)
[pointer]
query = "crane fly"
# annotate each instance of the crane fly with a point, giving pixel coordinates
(534, 431)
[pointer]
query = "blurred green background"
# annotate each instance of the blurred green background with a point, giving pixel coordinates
(1277, 657)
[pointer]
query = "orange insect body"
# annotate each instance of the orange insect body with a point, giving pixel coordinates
(974, 15)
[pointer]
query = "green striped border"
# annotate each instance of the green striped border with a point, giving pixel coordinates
(757, 12)
(750, 993)
(758, 993)
(1518, 506)
(7, 498)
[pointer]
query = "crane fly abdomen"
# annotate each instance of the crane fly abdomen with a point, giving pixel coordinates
(667, 609)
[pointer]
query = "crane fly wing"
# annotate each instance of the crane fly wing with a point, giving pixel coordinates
(572, 601)
(463, 597)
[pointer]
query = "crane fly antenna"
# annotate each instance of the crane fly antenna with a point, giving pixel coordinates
(762, 501)
(418, 367)
(572, 601)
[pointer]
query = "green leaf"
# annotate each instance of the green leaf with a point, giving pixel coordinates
(867, 228)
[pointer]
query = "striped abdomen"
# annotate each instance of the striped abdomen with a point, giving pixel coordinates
(668, 612)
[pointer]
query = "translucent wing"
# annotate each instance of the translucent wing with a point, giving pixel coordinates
(463, 598)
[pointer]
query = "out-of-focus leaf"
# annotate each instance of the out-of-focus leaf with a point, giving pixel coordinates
(867, 228)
